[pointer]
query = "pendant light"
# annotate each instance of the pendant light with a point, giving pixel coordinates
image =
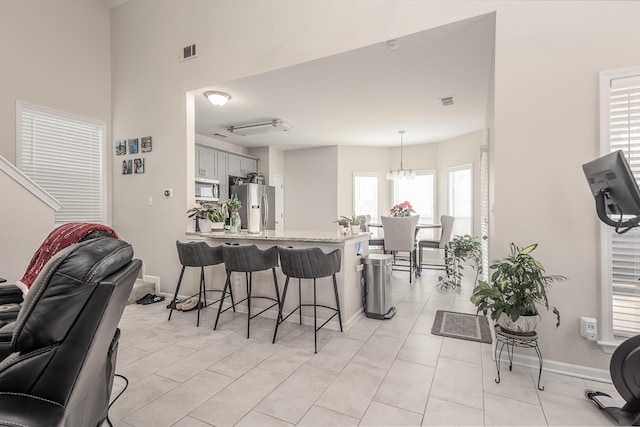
(401, 173)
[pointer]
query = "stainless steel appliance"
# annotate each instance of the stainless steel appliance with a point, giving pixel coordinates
(207, 190)
(258, 206)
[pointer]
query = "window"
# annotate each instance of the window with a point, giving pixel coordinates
(620, 127)
(365, 194)
(461, 199)
(420, 192)
(64, 154)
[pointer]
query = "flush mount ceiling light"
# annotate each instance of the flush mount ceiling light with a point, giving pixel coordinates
(401, 173)
(276, 125)
(217, 98)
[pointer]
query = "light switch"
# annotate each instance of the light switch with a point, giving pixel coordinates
(150, 201)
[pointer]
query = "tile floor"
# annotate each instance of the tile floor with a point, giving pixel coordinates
(379, 373)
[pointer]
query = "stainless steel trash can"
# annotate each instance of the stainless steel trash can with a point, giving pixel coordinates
(377, 276)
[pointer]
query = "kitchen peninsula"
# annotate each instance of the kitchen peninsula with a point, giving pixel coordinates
(348, 279)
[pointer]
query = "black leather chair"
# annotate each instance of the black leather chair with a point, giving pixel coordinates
(64, 342)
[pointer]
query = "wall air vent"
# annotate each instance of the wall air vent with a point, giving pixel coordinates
(187, 52)
(446, 101)
(276, 125)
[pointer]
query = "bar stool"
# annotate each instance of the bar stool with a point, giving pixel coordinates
(248, 259)
(197, 254)
(313, 264)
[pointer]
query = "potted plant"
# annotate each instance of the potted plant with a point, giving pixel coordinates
(234, 205)
(217, 217)
(517, 287)
(200, 213)
(349, 224)
(460, 249)
(402, 209)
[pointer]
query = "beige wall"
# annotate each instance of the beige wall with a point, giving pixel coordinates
(26, 221)
(54, 54)
(545, 120)
(311, 185)
(455, 152)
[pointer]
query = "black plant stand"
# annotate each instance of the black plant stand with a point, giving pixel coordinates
(511, 340)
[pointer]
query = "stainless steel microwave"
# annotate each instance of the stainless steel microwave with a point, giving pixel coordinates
(207, 190)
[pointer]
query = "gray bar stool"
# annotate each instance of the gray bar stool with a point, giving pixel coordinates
(248, 259)
(197, 254)
(313, 264)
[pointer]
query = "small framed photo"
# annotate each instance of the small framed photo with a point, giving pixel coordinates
(126, 167)
(121, 147)
(138, 165)
(133, 146)
(145, 144)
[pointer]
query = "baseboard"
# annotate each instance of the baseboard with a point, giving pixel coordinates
(152, 279)
(563, 368)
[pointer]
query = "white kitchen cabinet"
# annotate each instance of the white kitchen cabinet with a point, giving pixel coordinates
(241, 166)
(206, 162)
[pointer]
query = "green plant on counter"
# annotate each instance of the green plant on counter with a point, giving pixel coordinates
(219, 214)
(200, 211)
(459, 249)
(345, 221)
(233, 204)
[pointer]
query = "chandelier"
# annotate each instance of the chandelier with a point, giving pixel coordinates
(401, 173)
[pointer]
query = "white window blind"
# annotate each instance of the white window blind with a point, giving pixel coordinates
(365, 194)
(420, 192)
(461, 199)
(624, 134)
(63, 154)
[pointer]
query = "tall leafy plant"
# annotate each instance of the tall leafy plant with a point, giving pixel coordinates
(517, 287)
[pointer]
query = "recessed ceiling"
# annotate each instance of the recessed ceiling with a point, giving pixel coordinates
(365, 96)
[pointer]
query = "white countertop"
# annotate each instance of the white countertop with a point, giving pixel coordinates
(290, 236)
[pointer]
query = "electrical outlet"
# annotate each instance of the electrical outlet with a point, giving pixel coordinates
(589, 328)
(237, 280)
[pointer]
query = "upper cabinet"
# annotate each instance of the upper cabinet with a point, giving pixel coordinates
(241, 166)
(206, 162)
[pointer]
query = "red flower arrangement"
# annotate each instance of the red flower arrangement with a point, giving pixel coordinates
(402, 209)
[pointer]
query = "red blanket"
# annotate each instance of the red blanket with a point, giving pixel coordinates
(63, 236)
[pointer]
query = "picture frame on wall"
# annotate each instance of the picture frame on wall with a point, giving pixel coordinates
(121, 147)
(145, 144)
(133, 146)
(138, 165)
(127, 167)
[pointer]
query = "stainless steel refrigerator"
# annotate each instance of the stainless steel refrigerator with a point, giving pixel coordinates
(258, 206)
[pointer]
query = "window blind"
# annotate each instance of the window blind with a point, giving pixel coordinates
(461, 199)
(64, 155)
(420, 192)
(624, 134)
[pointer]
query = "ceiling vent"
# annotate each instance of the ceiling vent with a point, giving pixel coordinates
(276, 125)
(446, 101)
(220, 135)
(187, 52)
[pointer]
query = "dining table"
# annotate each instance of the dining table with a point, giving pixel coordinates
(419, 226)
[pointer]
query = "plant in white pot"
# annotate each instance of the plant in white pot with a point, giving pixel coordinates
(200, 213)
(517, 287)
(217, 217)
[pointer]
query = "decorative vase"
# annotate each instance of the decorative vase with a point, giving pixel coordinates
(355, 229)
(235, 222)
(525, 325)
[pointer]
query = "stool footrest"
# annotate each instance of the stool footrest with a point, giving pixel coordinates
(327, 321)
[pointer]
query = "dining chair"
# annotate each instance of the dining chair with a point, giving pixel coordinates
(445, 237)
(400, 236)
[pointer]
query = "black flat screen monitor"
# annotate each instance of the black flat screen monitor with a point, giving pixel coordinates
(610, 177)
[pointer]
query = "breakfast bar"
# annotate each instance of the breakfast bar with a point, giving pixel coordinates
(352, 247)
